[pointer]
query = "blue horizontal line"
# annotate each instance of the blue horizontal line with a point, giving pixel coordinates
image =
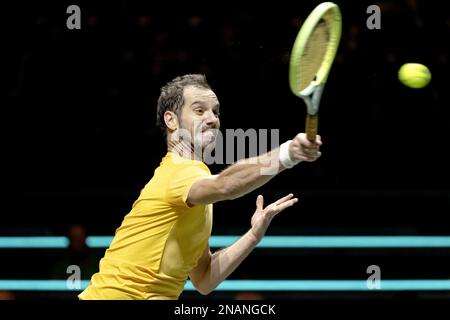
(257, 285)
(34, 242)
(330, 285)
(341, 241)
(267, 242)
(41, 285)
(318, 241)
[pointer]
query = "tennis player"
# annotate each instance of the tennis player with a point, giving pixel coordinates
(163, 240)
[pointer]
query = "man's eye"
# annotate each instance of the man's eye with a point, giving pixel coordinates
(217, 113)
(199, 111)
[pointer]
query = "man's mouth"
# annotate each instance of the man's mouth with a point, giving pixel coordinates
(209, 134)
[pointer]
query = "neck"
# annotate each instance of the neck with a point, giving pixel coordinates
(184, 150)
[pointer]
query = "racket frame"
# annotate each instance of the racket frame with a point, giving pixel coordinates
(312, 93)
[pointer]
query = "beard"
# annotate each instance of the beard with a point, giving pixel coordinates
(205, 139)
(199, 141)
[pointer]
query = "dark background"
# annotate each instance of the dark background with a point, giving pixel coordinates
(81, 139)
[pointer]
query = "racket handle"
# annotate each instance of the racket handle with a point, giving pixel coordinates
(311, 126)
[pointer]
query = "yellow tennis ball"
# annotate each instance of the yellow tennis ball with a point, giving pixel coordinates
(414, 75)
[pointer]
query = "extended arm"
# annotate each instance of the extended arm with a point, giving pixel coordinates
(249, 174)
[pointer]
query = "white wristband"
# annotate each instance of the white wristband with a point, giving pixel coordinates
(284, 157)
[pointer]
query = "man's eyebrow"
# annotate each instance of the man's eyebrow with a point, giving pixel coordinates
(197, 102)
(202, 103)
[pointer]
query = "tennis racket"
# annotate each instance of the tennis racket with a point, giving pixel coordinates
(311, 59)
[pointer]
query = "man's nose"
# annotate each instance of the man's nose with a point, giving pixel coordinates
(211, 119)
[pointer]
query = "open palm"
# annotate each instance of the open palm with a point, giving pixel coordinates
(263, 216)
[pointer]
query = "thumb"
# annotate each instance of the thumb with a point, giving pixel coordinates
(259, 202)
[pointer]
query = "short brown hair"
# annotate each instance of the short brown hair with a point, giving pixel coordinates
(171, 96)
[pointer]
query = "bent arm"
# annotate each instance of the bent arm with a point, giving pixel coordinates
(212, 269)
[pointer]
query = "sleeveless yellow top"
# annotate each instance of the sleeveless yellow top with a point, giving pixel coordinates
(160, 239)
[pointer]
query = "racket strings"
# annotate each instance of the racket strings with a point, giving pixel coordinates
(314, 53)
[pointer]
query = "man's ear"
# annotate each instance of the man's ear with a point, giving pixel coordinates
(171, 120)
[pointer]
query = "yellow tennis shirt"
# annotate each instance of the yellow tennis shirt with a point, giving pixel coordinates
(160, 239)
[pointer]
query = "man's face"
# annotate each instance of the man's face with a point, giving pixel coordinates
(200, 116)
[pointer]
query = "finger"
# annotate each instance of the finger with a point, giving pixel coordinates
(301, 140)
(285, 198)
(312, 158)
(318, 140)
(311, 152)
(305, 143)
(281, 207)
(259, 202)
(284, 205)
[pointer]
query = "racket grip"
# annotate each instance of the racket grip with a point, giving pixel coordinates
(312, 123)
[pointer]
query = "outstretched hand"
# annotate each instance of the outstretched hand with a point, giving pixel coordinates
(301, 149)
(263, 216)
